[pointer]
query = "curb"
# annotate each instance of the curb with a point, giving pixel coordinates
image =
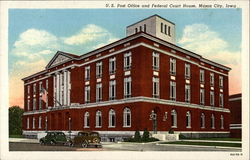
(199, 146)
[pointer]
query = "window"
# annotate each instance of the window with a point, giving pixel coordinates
(221, 122)
(172, 90)
(34, 123)
(156, 87)
(40, 103)
(187, 71)
(202, 120)
(40, 87)
(172, 66)
(112, 89)
(34, 104)
(98, 92)
(156, 61)
(112, 65)
(169, 31)
(87, 94)
(127, 87)
(174, 119)
(47, 87)
(202, 96)
(86, 120)
(165, 29)
(211, 98)
(220, 81)
(188, 119)
(202, 76)
(161, 27)
(28, 89)
(140, 28)
(187, 93)
(127, 61)
(98, 69)
(28, 104)
(28, 123)
(87, 73)
(126, 117)
(98, 119)
(111, 118)
(212, 121)
(34, 88)
(145, 29)
(221, 102)
(136, 30)
(40, 122)
(212, 79)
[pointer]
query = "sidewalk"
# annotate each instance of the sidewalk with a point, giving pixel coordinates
(209, 141)
(23, 140)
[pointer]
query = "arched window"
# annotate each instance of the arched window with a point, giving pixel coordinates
(86, 120)
(212, 121)
(174, 119)
(188, 119)
(126, 117)
(111, 118)
(28, 123)
(221, 122)
(98, 119)
(202, 120)
(34, 123)
(40, 122)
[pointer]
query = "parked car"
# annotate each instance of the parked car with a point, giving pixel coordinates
(53, 138)
(86, 139)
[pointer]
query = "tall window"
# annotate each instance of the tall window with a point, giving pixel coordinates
(28, 104)
(172, 66)
(40, 86)
(161, 27)
(86, 120)
(202, 96)
(98, 92)
(40, 122)
(211, 98)
(111, 118)
(220, 81)
(188, 119)
(126, 117)
(221, 122)
(172, 90)
(98, 69)
(187, 71)
(221, 102)
(174, 118)
(28, 123)
(202, 76)
(212, 121)
(140, 28)
(127, 61)
(98, 119)
(202, 120)
(156, 87)
(136, 30)
(145, 29)
(28, 89)
(112, 89)
(87, 94)
(87, 73)
(40, 103)
(212, 79)
(112, 65)
(187, 93)
(169, 31)
(34, 88)
(47, 87)
(127, 87)
(34, 123)
(156, 61)
(165, 29)
(34, 103)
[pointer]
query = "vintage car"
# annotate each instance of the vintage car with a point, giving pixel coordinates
(86, 139)
(54, 138)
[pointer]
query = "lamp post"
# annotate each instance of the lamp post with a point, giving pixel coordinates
(153, 117)
(69, 127)
(46, 125)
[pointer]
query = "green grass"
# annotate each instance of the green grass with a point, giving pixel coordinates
(205, 143)
(214, 139)
(16, 136)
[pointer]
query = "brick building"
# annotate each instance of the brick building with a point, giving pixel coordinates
(235, 116)
(114, 89)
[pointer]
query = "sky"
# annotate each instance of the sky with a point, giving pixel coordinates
(35, 35)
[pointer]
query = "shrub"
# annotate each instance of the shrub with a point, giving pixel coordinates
(181, 136)
(137, 136)
(145, 135)
(171, 131)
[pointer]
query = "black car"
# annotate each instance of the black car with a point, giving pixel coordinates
(54, 138)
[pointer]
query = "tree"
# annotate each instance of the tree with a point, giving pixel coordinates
(15, 120)
(145, 135)
(137, 136)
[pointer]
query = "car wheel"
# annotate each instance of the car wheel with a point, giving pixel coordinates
(41, 142)
(71, 144)
(84, 144)
(52, 142)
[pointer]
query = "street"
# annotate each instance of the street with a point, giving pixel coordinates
(19, 146)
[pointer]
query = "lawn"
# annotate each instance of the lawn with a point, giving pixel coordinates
(214, 139)
(16, 136)
(205, 143)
